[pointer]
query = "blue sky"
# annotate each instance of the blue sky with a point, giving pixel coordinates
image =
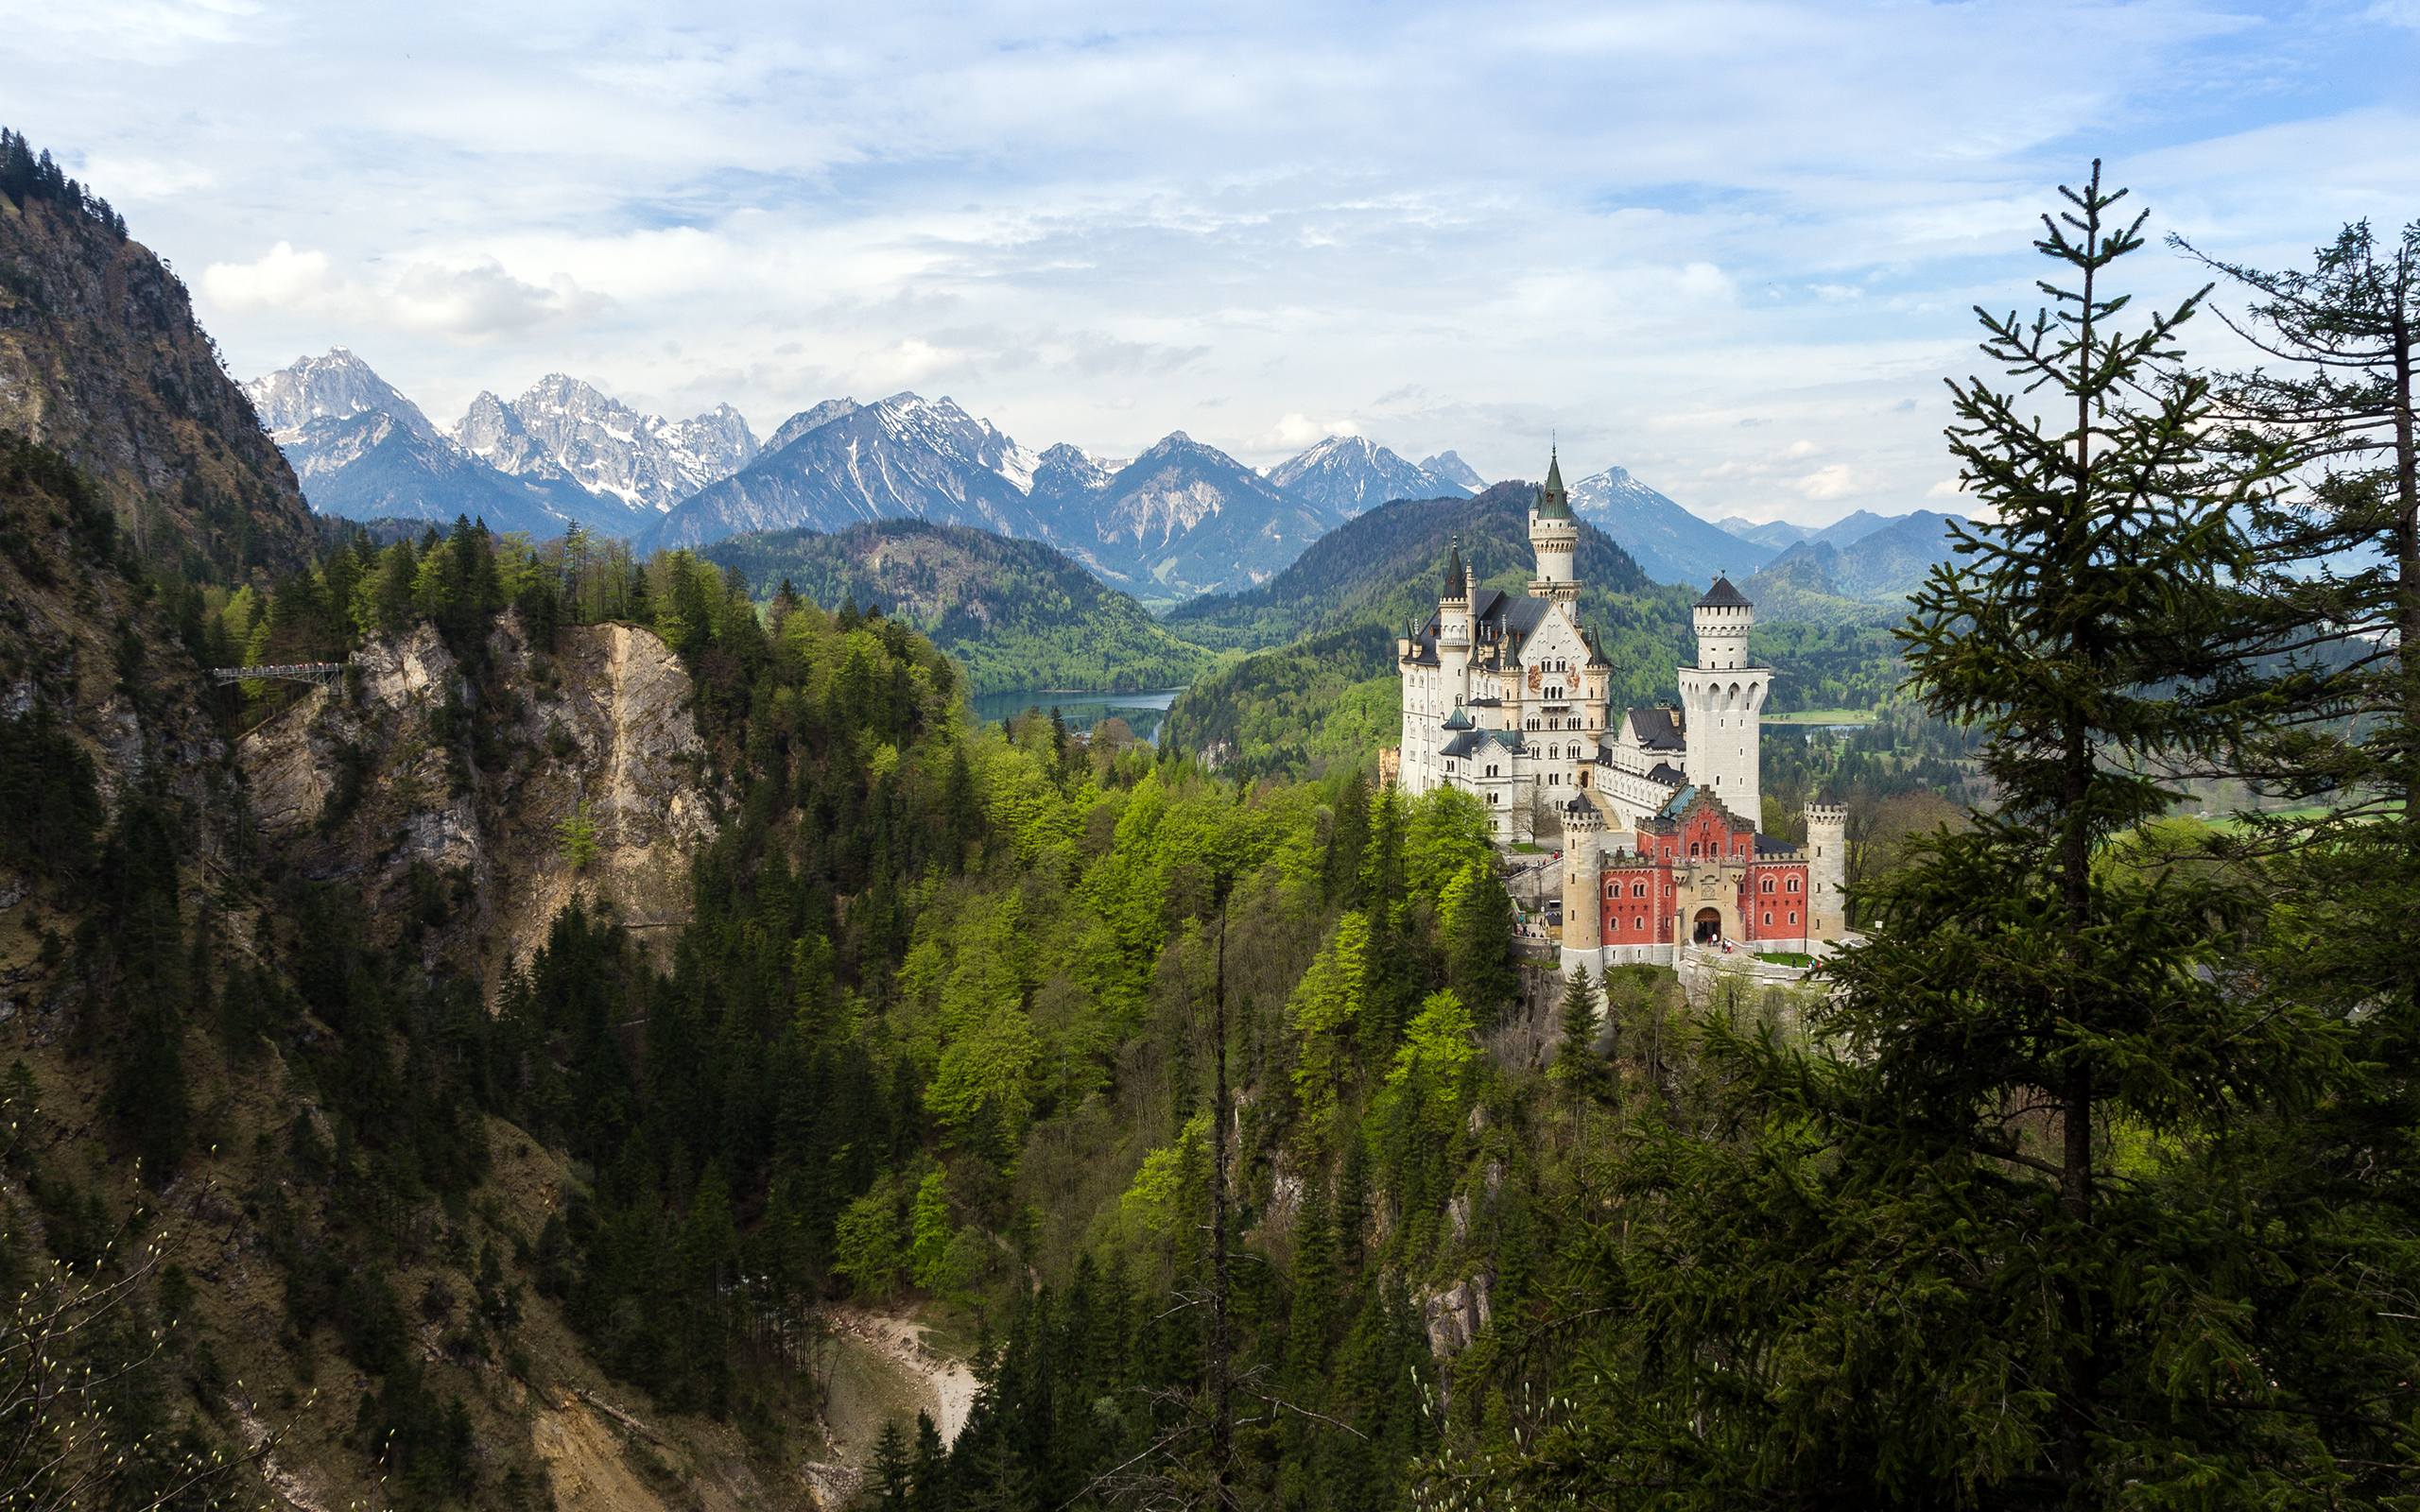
(1731, 247)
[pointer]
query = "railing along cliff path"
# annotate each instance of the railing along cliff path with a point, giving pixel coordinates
(325, 674)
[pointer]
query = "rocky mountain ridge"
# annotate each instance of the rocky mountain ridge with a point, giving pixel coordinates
(648, 461)
(562, 454)
(1349, 474)
(101, 361)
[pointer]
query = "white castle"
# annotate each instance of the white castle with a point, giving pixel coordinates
(1505, 698)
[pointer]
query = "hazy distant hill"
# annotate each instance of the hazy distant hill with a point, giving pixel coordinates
(1868, 576)
(1386, 565)
(1016, 614)
(1670, 544)
(1779, 534)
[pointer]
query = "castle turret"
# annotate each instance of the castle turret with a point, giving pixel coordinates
(1454, 627)
(1826, 870)
(1582, 924)
(1725, 698)
(1554, 535)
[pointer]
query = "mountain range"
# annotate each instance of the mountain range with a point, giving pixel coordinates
(1181, 519)
(562, 454)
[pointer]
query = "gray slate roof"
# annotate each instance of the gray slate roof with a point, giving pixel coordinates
(1722, 595)
(1659, 729)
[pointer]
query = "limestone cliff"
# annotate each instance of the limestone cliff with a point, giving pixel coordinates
(383, 784)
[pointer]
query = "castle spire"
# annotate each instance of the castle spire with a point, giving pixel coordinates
(1554, 502)
(1457, 575)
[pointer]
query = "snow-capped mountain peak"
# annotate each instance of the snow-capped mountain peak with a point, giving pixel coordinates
(567, 425)
(334, 386)
(1349, 474)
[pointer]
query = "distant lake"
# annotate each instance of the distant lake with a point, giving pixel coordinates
(1142, 712)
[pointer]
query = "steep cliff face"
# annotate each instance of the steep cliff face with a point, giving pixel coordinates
(100, 360)
(86, 649)
(382, 785)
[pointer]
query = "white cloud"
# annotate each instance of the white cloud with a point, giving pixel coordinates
(472, 302)
(1296, 431)
(1098, 226)
(279, 279)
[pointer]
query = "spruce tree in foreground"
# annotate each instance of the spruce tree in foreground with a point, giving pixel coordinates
(2327, 609)
(1576, 1064)
(1985, 1246)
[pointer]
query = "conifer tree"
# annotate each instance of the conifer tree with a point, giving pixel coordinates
(892, 1479)
(2329, 607)
(928, 1473)
(1913, 1279)
(1576, 1063)
(1480, 962)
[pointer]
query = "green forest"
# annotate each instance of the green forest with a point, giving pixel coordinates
(1218, 1114)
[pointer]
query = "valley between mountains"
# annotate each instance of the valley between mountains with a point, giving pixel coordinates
(621, 1032)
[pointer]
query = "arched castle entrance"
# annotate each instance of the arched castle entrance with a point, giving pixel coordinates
(1707, 927)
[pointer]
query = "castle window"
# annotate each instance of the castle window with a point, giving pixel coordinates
(1769, 918)
(1793, 883)
(1640, 923)
(1769, 884)
(1793, 916)
(1638, 889)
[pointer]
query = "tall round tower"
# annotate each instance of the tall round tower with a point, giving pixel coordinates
(1554, 535)
(1583, 921)
(1826, 870)
(1725, 698)
(1454, 629)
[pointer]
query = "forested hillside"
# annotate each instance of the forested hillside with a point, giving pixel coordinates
(366, 1147)
(1016, 614)
(1384, 566)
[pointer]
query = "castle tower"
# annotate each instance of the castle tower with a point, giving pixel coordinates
(1554, 535)
(1454, 627)
(1725, 697)
(1826, 870)
(1583, 921)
